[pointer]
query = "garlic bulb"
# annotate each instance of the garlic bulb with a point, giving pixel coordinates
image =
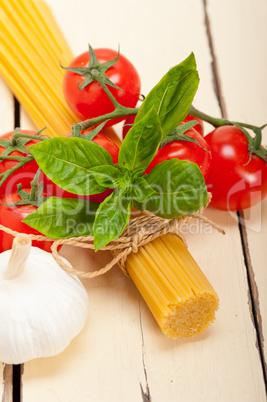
(42, 307)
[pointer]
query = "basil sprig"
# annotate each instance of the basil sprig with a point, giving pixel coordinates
(173, 95)
(172, 189)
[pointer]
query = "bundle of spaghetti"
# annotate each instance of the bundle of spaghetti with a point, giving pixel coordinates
(153, 253)
(32, 48)
(175, 289)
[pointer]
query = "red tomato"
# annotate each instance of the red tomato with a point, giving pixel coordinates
(53, 190)
(130, 120)
(197, 127)
(92, 101)
(127, 125)
(23, 175)
(11, 217)
(235, 181)
(184, 150)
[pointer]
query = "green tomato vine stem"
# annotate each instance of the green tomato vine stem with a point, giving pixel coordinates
(254, 143)
(34, 185)
(32, 137)
(20, 163)
(120, 111)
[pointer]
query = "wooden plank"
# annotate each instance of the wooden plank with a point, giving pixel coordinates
(233, 344)
(121, 354)
(242, 60)
(6, 124)
(7, 383)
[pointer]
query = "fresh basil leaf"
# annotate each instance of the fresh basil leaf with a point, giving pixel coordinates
(179, 187)
(66, 162)
(106, 175)
(141, 190)
(173, 95)
(111, 219)
(141, 143)
(63, 217)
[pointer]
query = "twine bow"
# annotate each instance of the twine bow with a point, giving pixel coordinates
(139, 231)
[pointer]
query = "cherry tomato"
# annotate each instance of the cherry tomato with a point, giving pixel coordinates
(198, 127)
(127, 125)
(53, 190)
(236, 179)
(24, 174)
(184, 150)
(92, 101)
(11, 217)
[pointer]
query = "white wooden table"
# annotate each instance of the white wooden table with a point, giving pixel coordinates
(121, 355)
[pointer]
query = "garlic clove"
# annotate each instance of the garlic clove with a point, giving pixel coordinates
(41, 310)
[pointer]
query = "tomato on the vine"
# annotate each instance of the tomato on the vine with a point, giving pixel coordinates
(53, 190)
(92, 101)
(237, 179)
(184, 150)
(12, 216)
(25, 173)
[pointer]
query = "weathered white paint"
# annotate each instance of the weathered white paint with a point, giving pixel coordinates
(121, 348)
(6, 124)
(240, 32)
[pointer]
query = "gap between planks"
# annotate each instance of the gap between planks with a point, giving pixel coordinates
(146, 396)
(253, 295)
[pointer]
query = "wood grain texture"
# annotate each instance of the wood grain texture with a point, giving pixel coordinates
(242, 64)
(7, 383)
(6, 124)
(121, 355)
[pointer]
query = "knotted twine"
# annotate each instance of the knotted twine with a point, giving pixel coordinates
(138, 232)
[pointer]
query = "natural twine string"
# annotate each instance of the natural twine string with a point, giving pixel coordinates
(139, 231)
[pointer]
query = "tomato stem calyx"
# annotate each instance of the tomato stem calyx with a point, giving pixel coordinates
(18, 143)
(178, 134)
(95, 71)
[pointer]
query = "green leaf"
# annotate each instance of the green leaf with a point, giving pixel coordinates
(173, 95)
(179, 189)
(141, 190)
(141, 143)
(67, 161)
(111, 219)
(63, 217)
(106, 175)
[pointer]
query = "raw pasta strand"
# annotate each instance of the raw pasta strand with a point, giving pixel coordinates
(25, 25)
(32, 64)
(32, 47)
(65, 53)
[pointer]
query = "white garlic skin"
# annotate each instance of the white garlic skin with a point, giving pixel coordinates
(41, 311)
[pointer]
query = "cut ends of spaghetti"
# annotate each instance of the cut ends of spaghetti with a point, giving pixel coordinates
(175, 289)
